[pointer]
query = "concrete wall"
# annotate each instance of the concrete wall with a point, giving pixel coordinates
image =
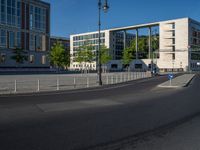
(181, 44)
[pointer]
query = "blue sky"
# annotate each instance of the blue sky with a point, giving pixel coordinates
(77, 16)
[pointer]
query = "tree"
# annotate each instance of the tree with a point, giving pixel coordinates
(129, 53)
(85, 54)
(20, 56)
(105, 55)
(59, 57)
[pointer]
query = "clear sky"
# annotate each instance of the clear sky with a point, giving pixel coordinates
(77, 16)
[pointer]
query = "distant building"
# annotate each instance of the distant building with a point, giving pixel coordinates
(64, 41)
(112, 40)
(25, 24)
(178, 45)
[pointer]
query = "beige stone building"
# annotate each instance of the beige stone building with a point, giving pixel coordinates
(179, 43)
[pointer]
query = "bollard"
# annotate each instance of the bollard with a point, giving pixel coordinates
(112, 80)
(116, 79)
(38, 85)
(74, 82)
(88, 83)
(58, 85)
(131, 75)
(107, 80)
(15, 89)
(121, 77)
(128, 76)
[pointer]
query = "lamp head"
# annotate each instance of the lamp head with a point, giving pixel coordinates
(105, 6)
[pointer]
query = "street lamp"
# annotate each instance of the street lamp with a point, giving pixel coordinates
(105, 8)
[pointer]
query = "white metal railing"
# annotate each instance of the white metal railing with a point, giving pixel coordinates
(66, 82)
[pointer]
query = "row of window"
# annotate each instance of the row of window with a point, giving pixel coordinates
(87, 37)
(195, 32)
(31, 59)
(121, 35)
(37, 42)
(89, 42)
(10, 12)
(94, 48)
(37, 18)
(195, 41)
(85, 65)
(194, 65)
(14, 38)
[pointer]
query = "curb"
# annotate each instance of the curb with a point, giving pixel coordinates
(190, 81)
(185, 85)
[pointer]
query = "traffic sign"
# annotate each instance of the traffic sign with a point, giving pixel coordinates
(170, 76)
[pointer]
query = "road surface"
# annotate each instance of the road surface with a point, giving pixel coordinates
(95, 118)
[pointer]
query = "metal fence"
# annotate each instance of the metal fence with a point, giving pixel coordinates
(64, 82)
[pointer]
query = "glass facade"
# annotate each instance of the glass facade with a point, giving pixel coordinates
(91, 39)
(24, 24)
(2, 38)
(37, 18)
(10, 12)
(11, 39)
(3, 12)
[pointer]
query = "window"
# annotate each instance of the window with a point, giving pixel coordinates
(31, 59)
(11, 12)
(18, 39)
(173, 48)
(173, 26)
(3, 12)
(173, 41)
(32, 42)
(18, 14)
(173, 56)
(37, 18)
(3, 38)
(11, 39)
(38, 43)
(173, 33)
(43, 59)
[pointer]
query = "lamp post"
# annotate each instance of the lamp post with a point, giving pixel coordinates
(105, 8)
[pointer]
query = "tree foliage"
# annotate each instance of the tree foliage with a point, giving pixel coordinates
(105, 55)
(85, 54)
(59, 56)
(20, 56)
(129, 53)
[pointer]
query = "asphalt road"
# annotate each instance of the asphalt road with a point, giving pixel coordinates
(98, 118)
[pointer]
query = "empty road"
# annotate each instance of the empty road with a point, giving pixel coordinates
(95, 118)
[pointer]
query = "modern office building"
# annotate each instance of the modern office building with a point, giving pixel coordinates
(112, 40)
(24, 24)
(64, 41)
(178, 45)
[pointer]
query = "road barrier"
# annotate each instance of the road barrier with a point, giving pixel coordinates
(62, 82)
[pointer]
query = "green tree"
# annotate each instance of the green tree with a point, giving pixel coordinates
(105, 55)
(20, 56)
(84, 54)
(58, 56)
(128, 55)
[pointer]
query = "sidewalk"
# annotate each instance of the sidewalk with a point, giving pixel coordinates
(180, 81)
